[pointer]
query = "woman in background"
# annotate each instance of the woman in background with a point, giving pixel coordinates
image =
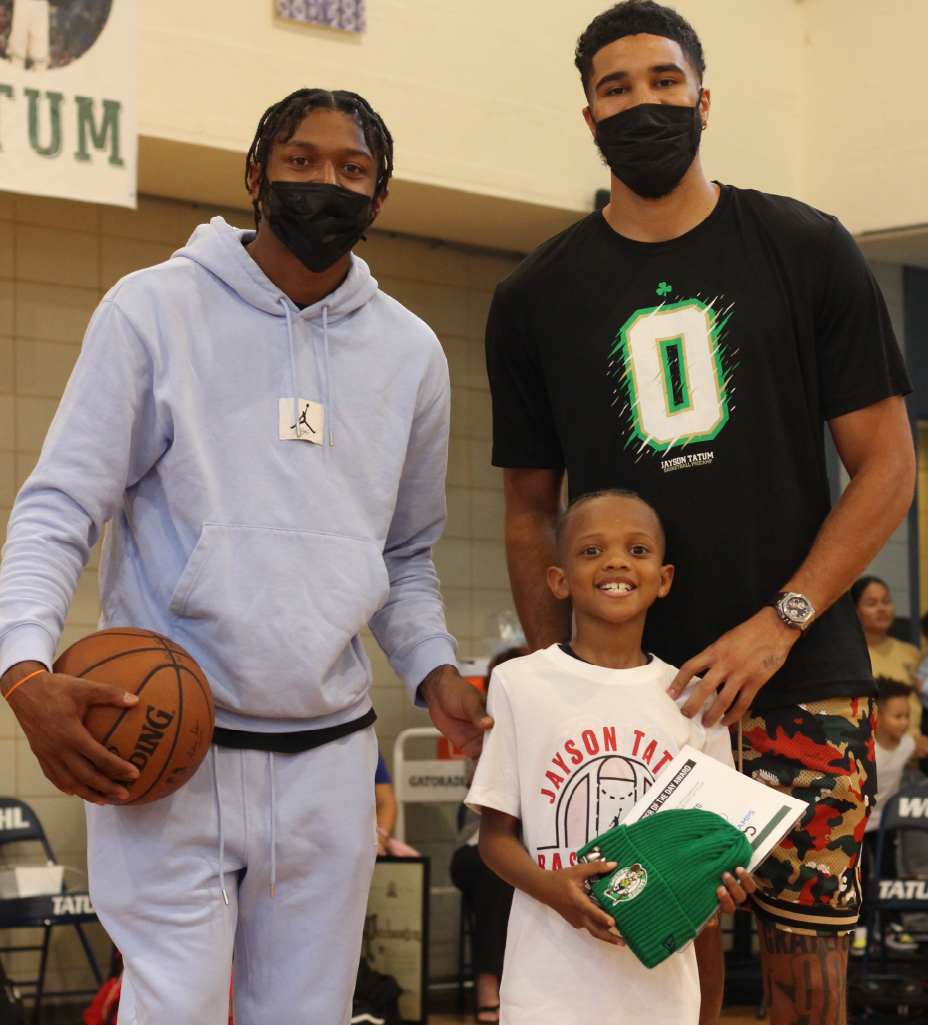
(889, 658)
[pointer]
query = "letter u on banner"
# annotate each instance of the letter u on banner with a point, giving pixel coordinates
(69, 101)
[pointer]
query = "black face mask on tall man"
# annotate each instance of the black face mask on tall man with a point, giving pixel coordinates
(650, 147)
(318, 222)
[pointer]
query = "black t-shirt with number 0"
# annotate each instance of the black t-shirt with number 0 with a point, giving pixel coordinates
(699, 372)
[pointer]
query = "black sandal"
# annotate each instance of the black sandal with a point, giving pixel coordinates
(486, 1010)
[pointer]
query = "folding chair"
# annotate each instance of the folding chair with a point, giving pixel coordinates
(465, 954)
(19, 823)
(465, 934)
(427, 781)
(908, 810)
(424, 781)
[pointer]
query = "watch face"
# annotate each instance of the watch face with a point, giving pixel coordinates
(797, 608)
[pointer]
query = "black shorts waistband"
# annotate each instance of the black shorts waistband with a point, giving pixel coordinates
(290, 743)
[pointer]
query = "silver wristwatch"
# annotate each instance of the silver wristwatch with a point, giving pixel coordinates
(794, 609)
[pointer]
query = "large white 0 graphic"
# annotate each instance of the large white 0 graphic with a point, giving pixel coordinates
(679, 394)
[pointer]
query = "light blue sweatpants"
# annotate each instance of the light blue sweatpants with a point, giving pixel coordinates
(154, 881)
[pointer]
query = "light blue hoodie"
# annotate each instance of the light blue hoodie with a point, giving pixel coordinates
(263, 557)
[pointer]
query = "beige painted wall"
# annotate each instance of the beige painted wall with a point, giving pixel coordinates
(56, 261)
(865, 140)
(820, 99)
(482, 97)
(811, 98)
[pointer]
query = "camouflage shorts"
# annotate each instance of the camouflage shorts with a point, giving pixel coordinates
(822, 753)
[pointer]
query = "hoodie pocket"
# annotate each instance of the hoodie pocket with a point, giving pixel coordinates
(273, 610)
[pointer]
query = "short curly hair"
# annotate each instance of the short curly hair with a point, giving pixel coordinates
(560, 530)
(629, 19)
(889, 689)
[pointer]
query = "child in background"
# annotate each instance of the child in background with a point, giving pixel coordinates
(893, 747)
(581, 731)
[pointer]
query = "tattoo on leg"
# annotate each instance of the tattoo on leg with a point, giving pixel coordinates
(805, 977)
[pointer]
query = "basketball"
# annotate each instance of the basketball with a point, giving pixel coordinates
(167, 734)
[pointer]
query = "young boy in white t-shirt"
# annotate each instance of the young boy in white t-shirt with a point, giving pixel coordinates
(581, 731)
(893, 747)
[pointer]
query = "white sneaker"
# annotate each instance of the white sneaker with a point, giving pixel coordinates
(898, 939)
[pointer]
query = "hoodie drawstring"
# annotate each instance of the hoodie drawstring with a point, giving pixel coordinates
(330, 404)
(270, 772)
(327, 394)
(222, 839)
(296, 394)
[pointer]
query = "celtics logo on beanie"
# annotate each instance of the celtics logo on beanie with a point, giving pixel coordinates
(626, 883)
(669, 867)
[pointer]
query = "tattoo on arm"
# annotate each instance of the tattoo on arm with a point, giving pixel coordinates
(805, 977)
(772, 661)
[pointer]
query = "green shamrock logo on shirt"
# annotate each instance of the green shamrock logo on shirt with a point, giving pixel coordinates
(663, 288)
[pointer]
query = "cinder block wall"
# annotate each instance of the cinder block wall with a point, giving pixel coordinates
(57, 259)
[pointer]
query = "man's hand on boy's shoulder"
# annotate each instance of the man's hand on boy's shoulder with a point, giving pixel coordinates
(740, 662)
(563, 891)
(457, 708)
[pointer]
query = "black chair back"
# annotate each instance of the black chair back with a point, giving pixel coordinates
(908, 809)
(18, 822)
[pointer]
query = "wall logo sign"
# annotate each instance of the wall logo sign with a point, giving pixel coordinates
(68, 99)
(346, 15)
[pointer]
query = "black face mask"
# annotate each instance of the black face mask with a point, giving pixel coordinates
(318, 222)
(650, 147)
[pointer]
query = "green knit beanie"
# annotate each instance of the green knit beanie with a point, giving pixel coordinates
(669, 867)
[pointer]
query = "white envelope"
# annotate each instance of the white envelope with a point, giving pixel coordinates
(696, 780)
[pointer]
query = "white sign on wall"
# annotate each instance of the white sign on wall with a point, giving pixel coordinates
(68, 99)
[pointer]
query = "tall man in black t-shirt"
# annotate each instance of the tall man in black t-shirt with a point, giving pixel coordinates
(690, 342)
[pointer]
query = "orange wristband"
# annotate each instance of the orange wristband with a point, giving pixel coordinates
(19, 683)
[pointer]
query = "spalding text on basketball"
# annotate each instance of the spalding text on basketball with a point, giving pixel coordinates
(156, 722)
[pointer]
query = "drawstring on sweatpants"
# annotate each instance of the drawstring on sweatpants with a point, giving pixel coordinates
(222, 839)
(270, 772)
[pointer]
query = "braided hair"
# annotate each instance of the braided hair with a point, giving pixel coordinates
(281, 120)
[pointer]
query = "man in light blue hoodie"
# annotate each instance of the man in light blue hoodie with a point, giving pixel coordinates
(265, 433)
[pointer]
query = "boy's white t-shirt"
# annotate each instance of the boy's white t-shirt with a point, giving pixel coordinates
(890, 763)
(573, 747)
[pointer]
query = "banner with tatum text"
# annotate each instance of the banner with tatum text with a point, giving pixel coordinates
(68, 99)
